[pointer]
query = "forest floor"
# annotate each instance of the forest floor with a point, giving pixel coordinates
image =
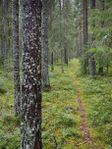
(76, 112)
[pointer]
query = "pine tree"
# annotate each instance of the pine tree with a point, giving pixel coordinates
(31, 81)
(92, 63)
(45, 67)
(16, 56)
(85, 36)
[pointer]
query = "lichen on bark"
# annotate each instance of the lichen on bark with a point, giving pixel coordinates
(31, 80)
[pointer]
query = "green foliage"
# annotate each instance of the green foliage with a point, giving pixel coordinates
(66, 120)
(99, 99)
(102, 55)
(60, 118)
(61, 27)
(10, 140)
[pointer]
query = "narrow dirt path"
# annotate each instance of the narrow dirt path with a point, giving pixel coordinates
(84, 126)
(87, 139)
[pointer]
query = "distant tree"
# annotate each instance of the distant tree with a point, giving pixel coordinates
(45, 56)
(92, 63)
(16, 54)
(85, 22)
(31, 81)
(52, 61)
(85, 36)
(65, 5)
(60, 46)
(101, 68)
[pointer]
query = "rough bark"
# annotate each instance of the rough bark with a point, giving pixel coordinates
(31, 81)
(45, 71)
(16, 56)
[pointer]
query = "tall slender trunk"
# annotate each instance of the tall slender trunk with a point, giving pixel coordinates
(31, 82)
(60, 9)
(16, 56)
(65, 34)
(85, 22)
(52, 61)
(62, 69)
(85, 35)
(45, 70)
(92, 63)
(101, 69)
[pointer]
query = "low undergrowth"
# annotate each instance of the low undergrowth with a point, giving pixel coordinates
(97, 96)
(60, 114)
(61, 120)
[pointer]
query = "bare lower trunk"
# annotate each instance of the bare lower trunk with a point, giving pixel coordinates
(85, 35)
(16, 56)
(62, 65)
(45, 71)
(92, 67)
(66, 56)
(100, 71)
(52, 61)
(31, 81)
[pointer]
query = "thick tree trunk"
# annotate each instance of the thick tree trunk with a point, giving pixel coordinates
(16, 56)
(45, 71)
(31, 81)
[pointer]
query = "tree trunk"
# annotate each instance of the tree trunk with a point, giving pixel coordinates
(45, 71)
(65, 33)
(92, 65)
(85, 22)
(85, 35)
(52, 61)
(101, 69)
(62, 69)
(60, 9)
(100, 72)
(66, 56)
(31, 81)
(16, 56)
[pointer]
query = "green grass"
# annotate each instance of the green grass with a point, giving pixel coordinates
(60, 115)
(61, 120)
(97, 97)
